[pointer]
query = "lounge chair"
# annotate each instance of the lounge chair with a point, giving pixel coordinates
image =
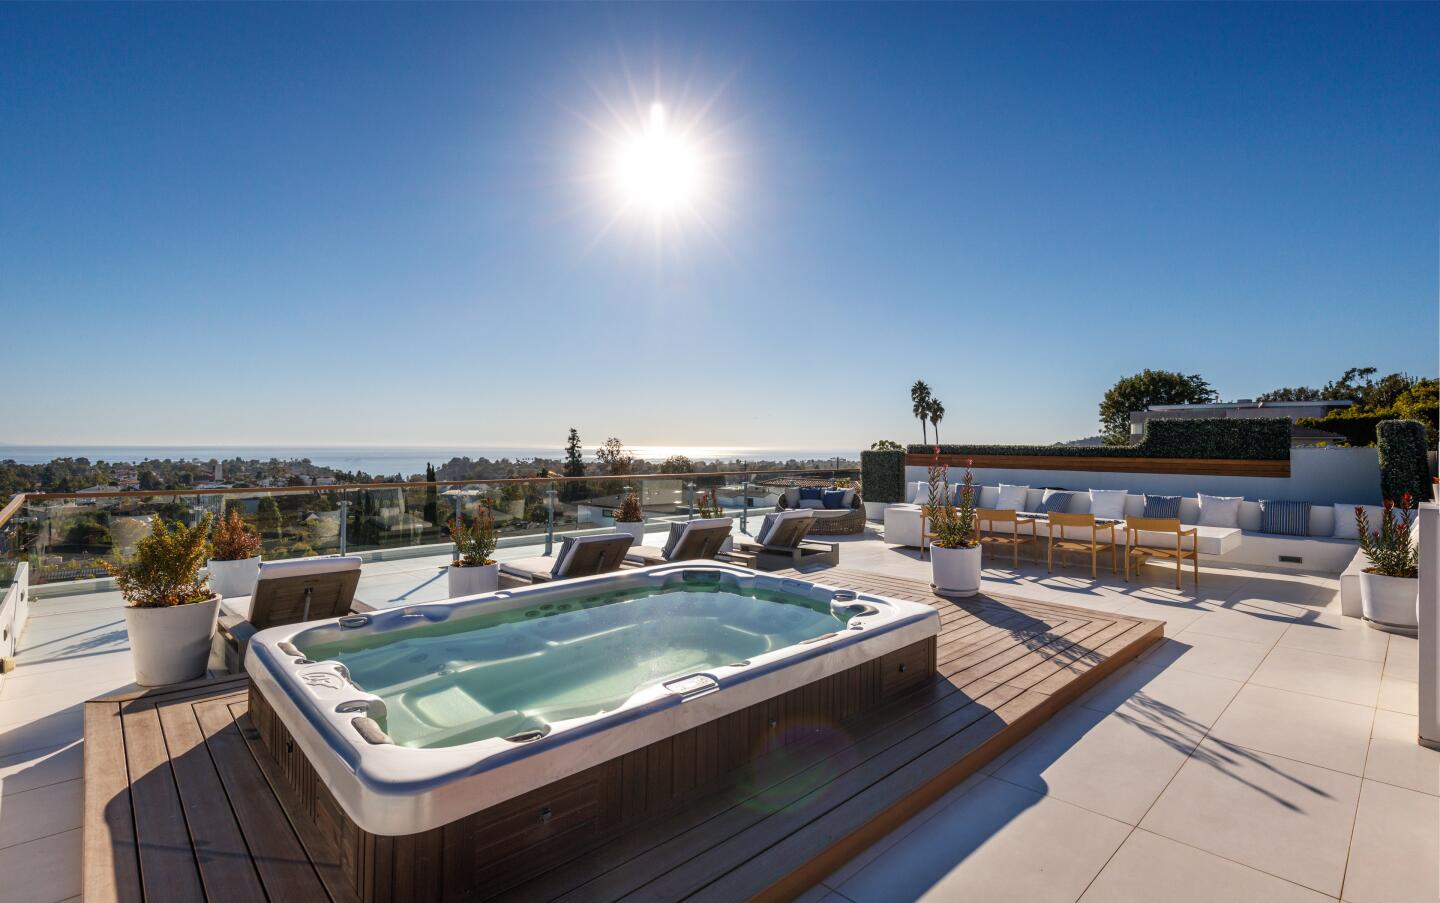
(286, 592)
(781, 543)
(689, 540)
(580, 556)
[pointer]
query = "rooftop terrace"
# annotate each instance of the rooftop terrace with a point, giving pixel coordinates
(1263, 750)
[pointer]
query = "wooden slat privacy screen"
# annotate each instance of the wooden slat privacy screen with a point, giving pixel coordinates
(1210, 467)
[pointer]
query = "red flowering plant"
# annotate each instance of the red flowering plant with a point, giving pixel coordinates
(1389, 548)
(952, 526)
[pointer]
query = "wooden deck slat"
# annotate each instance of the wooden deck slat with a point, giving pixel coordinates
(226, 869)
(110, 868)
(1003, 667)
(280, 858)
(168, 870)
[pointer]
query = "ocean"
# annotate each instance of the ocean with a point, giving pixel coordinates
(385, 459)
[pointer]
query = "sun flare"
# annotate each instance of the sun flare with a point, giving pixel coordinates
(658, 169)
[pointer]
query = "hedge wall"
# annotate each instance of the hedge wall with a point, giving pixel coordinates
(1359, 429)
(1404, 466)
(882, 476)
(1237, 438)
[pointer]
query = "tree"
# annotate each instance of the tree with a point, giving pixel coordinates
(616, 459)
(432, 497)
(574, 466)
(886, 445)
(267, 516)
(677, 464)
(1136, 393)
(920, 407)
(936, 412)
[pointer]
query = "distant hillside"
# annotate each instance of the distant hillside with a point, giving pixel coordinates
(1088, 440)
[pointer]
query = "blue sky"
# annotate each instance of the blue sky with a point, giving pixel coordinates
(331, 224)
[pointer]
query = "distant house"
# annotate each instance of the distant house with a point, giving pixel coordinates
(1294, 410)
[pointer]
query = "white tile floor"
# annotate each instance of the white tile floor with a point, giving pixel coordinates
(1264, 751)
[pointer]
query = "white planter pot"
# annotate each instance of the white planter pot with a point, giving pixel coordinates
(1390, 603)
(636, 529)
(875, 511)
(473, 581)
(956, 571)
(233, 579)
(171, 645)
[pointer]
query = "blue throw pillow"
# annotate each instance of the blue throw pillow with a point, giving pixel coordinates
(1162, 506)
(833, 498)
(1057, 501)
(1285, 518)
(812, 494)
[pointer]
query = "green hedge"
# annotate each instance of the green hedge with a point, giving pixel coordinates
(1359, 429)
(882, 476)
(1404, 466)
(1249, 439)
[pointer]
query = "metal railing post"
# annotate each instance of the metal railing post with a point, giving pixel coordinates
(549, 519)
(745, 503)
(1429, 629)
(690, 503)
(455, 553)
(344, 522)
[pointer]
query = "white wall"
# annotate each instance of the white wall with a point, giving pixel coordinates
(1319, 475)
(14, 611)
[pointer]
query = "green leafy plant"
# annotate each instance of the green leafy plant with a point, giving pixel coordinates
(1137, 392)
(233, 540)
(706, 505)
(886, 445)
(882, 474)
(165, 569)
(1389, 549)
(951, 526)
(1231, 438)
(630, 511)
(1404, 462)
(474, 540)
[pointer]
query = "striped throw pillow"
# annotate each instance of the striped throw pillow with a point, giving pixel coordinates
(1285, 518)
(1055, 501)
(1162, 506)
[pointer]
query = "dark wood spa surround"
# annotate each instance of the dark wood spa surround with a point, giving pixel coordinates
(496, 849)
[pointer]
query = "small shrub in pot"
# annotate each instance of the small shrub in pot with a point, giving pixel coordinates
(1389, 587)
(234, 561)
(474, 569)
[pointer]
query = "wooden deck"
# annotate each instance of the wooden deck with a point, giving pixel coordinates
(181, 803)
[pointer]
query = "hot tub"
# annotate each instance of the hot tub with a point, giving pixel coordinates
(417, 719)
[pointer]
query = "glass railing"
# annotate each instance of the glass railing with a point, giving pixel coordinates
(68, 536)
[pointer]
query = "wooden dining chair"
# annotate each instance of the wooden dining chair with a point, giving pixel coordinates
(987, 518)
(1139, 552)
(1090, 536)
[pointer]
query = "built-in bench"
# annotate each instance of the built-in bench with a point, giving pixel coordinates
(1320, 551)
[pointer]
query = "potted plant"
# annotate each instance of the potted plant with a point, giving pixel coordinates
(954, 547)
(631, 519)
(473, 570)
(234, 563)
(1390, 586)
(171, 611)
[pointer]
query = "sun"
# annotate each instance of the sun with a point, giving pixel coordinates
(658, 169)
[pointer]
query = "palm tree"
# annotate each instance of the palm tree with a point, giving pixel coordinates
(936, 411)
(920, 406)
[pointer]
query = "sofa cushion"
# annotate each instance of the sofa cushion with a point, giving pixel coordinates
(1284, 518)
(849, 499)
(922, 494)
(792, 496)
(833, 499)
(1108, 504)
(1162, 506)
(1012, 498)
(1056, 500)
(1345, 526)
(1219, 510)
(812, 504)
(811, 493)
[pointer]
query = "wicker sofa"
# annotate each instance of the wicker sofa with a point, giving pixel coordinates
(828, 521)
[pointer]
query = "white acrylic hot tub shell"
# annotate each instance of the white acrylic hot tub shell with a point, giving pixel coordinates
(394, 790)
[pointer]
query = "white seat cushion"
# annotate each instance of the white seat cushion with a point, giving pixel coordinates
(1345, 526)
(1012, 498)
(236, 606)
(525, 567)
(1107, 504)
(1219, 511)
